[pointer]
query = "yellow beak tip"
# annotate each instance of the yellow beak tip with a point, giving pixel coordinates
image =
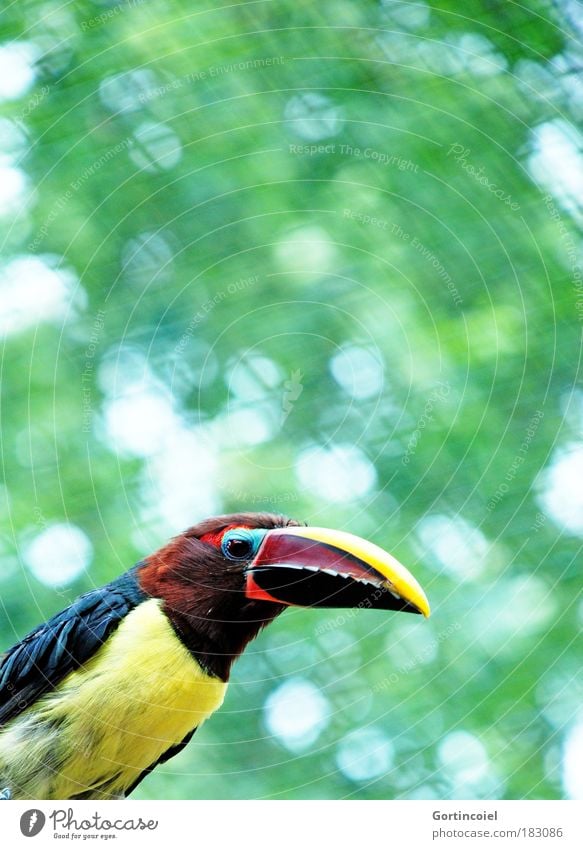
(422, 605)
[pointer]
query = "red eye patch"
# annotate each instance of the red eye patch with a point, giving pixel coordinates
(216, 537)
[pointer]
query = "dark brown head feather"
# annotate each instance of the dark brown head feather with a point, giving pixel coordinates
(203, 593)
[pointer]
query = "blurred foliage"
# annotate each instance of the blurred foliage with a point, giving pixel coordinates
(234, 296)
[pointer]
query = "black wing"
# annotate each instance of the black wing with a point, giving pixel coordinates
(44, 657)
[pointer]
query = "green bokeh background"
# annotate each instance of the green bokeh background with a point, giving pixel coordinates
(366, 336)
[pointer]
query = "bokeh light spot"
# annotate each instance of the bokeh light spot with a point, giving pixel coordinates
(59, 554)
(338, 473)
(296, 713)
(358, 371)
(365, 754)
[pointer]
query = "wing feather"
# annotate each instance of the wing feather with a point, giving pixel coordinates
(37, 664)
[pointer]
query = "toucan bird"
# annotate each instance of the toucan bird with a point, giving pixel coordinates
(100, 694)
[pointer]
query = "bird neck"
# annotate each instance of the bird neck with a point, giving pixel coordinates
(215, 644)
(205, 604)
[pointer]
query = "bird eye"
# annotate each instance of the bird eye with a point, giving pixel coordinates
(238, 547)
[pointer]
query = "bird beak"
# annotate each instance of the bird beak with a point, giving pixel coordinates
(317, 567)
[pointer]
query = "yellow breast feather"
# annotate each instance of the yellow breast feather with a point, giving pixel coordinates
(105, 723)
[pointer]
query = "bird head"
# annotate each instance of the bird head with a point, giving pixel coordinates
(224, 579)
